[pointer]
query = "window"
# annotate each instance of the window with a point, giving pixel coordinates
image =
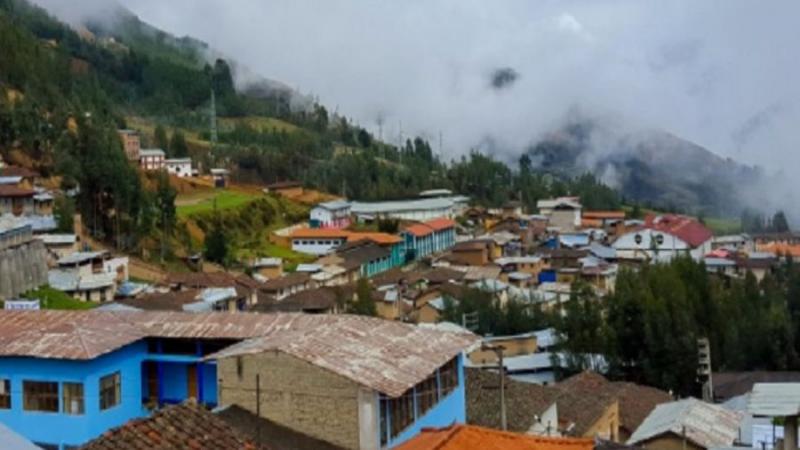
(427, 395)
(5, 394)
(239, 367)
(72, 398)
(40, 396)
(448, 377)
(401, 412)
(110, 391)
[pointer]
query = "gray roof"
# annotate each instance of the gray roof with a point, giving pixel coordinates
(56, 239)
(400, 205)
(80, 257)
(775, 399)
(704, 424)
(334, 204)
(69, 281)
(151, 152)
(10, 440)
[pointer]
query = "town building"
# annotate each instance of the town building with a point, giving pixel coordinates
(24, 177)
(426, 238)
(152, 159)
(282, 287)
(689, 424)
(268, 268)
(415, 209)
(71, 376)
(333, 214)
(324, 241)
(23, 262)
(59, 246)
(16, 200)
(180, 167)
(131, 143)
(285, 188)
(220, 177)
(563, 213)
(663, 238)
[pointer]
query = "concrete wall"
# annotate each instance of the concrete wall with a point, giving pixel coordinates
(294, 393)
(607, 427)
(668, 442)
(22, 268)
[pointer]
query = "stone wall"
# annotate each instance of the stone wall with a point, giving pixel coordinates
(22, 268)
(293, 393)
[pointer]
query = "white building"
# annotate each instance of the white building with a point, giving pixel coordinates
(417, 210)
(151, 159)
(563, 212)
(665, 237)
(180, 167)
(334, 214)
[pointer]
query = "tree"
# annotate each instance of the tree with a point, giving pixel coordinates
(216, 244)
(177, 145)
(364, 138)
(364, 305)
(64, 212)
(160, 139)
(779, 222)
(165, 202)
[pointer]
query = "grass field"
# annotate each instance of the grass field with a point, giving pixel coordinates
(53, 299)
(259, 123)
(204, 201)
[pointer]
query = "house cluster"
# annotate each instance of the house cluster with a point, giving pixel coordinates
(22, 195)
(110, 379)
(153, 159)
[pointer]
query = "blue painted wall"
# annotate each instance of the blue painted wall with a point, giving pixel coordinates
(449, 410)
(64, 429)
(60, 428)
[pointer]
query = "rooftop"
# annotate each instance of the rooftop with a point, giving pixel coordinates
(151, 152)
(334, 205)
(266, 432)
(10, 190)
(470, 437)
(400, 205)
(387, 356)
(775, 400)
(179, 427)
(703, 424)
(80, 257)
(686, 228)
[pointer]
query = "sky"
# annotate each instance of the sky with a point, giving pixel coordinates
(720, 73)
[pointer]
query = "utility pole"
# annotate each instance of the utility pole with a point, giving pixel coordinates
(704, 369)
(213, 119)
(498, 350)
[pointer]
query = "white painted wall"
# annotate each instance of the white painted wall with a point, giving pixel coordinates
(627, 248)
(316, 246)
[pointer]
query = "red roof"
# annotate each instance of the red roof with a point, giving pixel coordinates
(685, 228)
(470, 437)
(603, 215)
(426, 228)
(419, 230)
(440, 224)
(10, 190)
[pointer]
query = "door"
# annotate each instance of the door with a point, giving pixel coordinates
(191, 381)
(151, 375)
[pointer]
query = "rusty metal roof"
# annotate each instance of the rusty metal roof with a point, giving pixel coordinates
(387, 356)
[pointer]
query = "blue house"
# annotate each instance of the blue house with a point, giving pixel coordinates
(68, 376)
(425, 238)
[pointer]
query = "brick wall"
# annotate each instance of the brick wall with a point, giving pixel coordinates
(293, 393)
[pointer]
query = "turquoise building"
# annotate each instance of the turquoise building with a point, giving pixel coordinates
(425, 238)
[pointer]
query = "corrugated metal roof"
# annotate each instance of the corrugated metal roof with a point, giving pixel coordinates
(704, 424)
(80, 257)
(55, 239)
(387, 356)
(401, 205)
(775, 399)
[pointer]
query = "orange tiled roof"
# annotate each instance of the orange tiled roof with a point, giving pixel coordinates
(603, 215)
(378, 238)
(351, 236)
(419, 229)
(470, 437)
(320, 233)
(779, 249)
(591, 223)
(441, 223)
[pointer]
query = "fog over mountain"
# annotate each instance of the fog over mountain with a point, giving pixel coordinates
(501, 76)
